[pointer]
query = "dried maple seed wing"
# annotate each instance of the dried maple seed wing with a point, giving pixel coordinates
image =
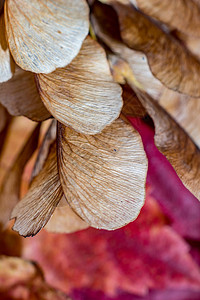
(65, 220)
(192, 43)
(7, 65)
(4, 125)
(10, 188)
(103, 176)
(34, 210)
(187, 20)
(83, 95)
(20, 96)
(3, 117)
(106, 27)
(43, 36)
(132, 106)
(185, 110)
(43, 153)
(169, 61)
(175, 144)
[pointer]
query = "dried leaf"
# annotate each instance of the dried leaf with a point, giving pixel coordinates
(20, 96)
(34, 210)
(186, 20)
(168, 59)
(7, 65)
(45, 36)
(65, 220)
(175, 144)
(103, 176)
(83, 95)
(21, 279)
(106, 27)
(9, 191)
(48, 140)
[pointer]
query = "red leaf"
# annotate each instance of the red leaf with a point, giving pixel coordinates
(87, 294)
(177, 203)
(146, 254)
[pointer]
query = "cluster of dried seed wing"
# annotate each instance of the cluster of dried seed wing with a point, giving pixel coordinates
(91, 167)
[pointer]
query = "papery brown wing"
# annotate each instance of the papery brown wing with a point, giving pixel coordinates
(4, 124)
(43, 36)
(20, 96)
(169, 61)
(192, 43)
(181, 15)
(83, 94)
(59, 218)
(7, 65)
(103, 176)
(106, 26)
(181, 208)
(170, 138)
(132, 106)
(175, 144)
(185, 110)
(34, 210)
(43, 153)
(65, 220)
(3, 117)
(10, 188)
(122, 73)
